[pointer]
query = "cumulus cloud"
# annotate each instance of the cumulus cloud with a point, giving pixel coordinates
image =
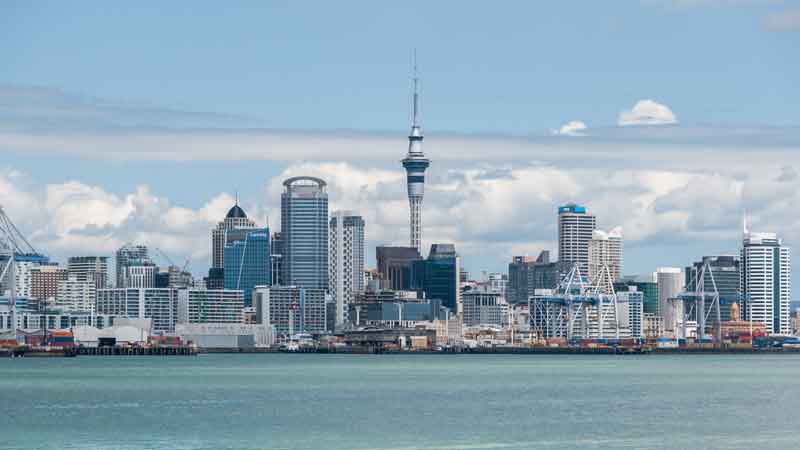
(784, 21)
(490, 211)
(572, 128)
(647, 112)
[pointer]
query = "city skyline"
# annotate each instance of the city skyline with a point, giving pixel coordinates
(669, 161)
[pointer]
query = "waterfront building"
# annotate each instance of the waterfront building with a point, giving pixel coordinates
(247, 261)
(235, 219)
(394, 266)
(630, 311)
(291, 309)
(160, 305)
(415, 164)
(765, 281)
(575, 227)
(85, 268)
(44, 281)
(398, 313)
(130, 255)
(484, 308)
(646, 284)
(526, 275)
(346, 259)
(722, 272)
(76, 294)
(221, 306)
(605, 252)
(438, 276)
(304, 228)
(670, 284)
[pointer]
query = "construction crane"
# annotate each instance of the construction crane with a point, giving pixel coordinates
(172, 263)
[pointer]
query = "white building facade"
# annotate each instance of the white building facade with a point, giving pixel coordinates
(346, 260)
(765, 281)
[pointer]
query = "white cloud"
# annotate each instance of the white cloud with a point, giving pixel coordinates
(490, 211)
(572, 128)
(647, 112)
(784, 21)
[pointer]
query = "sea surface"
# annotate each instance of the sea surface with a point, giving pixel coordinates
(302, 401)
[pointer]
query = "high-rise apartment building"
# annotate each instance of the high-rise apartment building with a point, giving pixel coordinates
(575, 227)
(247, 262)
(766, 281)
(130, 255)
(304, 228)
(346, 259)
(25, 265)
(139, 275)
(670, 284)
(160, 305)
(44, 281)
(76, 294)
(86, 268)
(605, 253)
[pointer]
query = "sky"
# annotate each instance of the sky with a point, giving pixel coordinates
(141, 122)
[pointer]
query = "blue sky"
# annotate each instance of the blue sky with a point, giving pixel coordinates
(193, 101)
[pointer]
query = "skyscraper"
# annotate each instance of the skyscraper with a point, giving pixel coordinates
(722, 272)
(129, 255)
(304, 228)
(605, 251)
(438, 276)
(415, 164)
(346, 260)
(670, 284)
(236, 218)
(766, 281)
(247, 262)
(575, 227)
(526, 275)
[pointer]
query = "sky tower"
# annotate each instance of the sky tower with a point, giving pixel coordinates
(415, 164)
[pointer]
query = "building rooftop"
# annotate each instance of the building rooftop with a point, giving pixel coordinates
(236, 212)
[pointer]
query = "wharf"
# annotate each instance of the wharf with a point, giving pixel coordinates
(137, 351)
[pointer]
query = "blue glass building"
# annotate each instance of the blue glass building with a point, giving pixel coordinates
(437, 276)
(304, 232)
(247, 262)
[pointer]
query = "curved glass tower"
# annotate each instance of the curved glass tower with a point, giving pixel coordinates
(415, 164)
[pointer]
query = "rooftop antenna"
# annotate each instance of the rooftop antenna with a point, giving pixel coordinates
(415, 78)
(236, 197)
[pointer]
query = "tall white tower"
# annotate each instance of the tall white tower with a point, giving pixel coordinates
(415, 164)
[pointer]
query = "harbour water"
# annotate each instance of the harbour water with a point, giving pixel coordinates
(310, 401)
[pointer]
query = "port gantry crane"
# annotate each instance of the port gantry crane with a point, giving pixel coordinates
(12, 244)
(578, 308)
(694, 304)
